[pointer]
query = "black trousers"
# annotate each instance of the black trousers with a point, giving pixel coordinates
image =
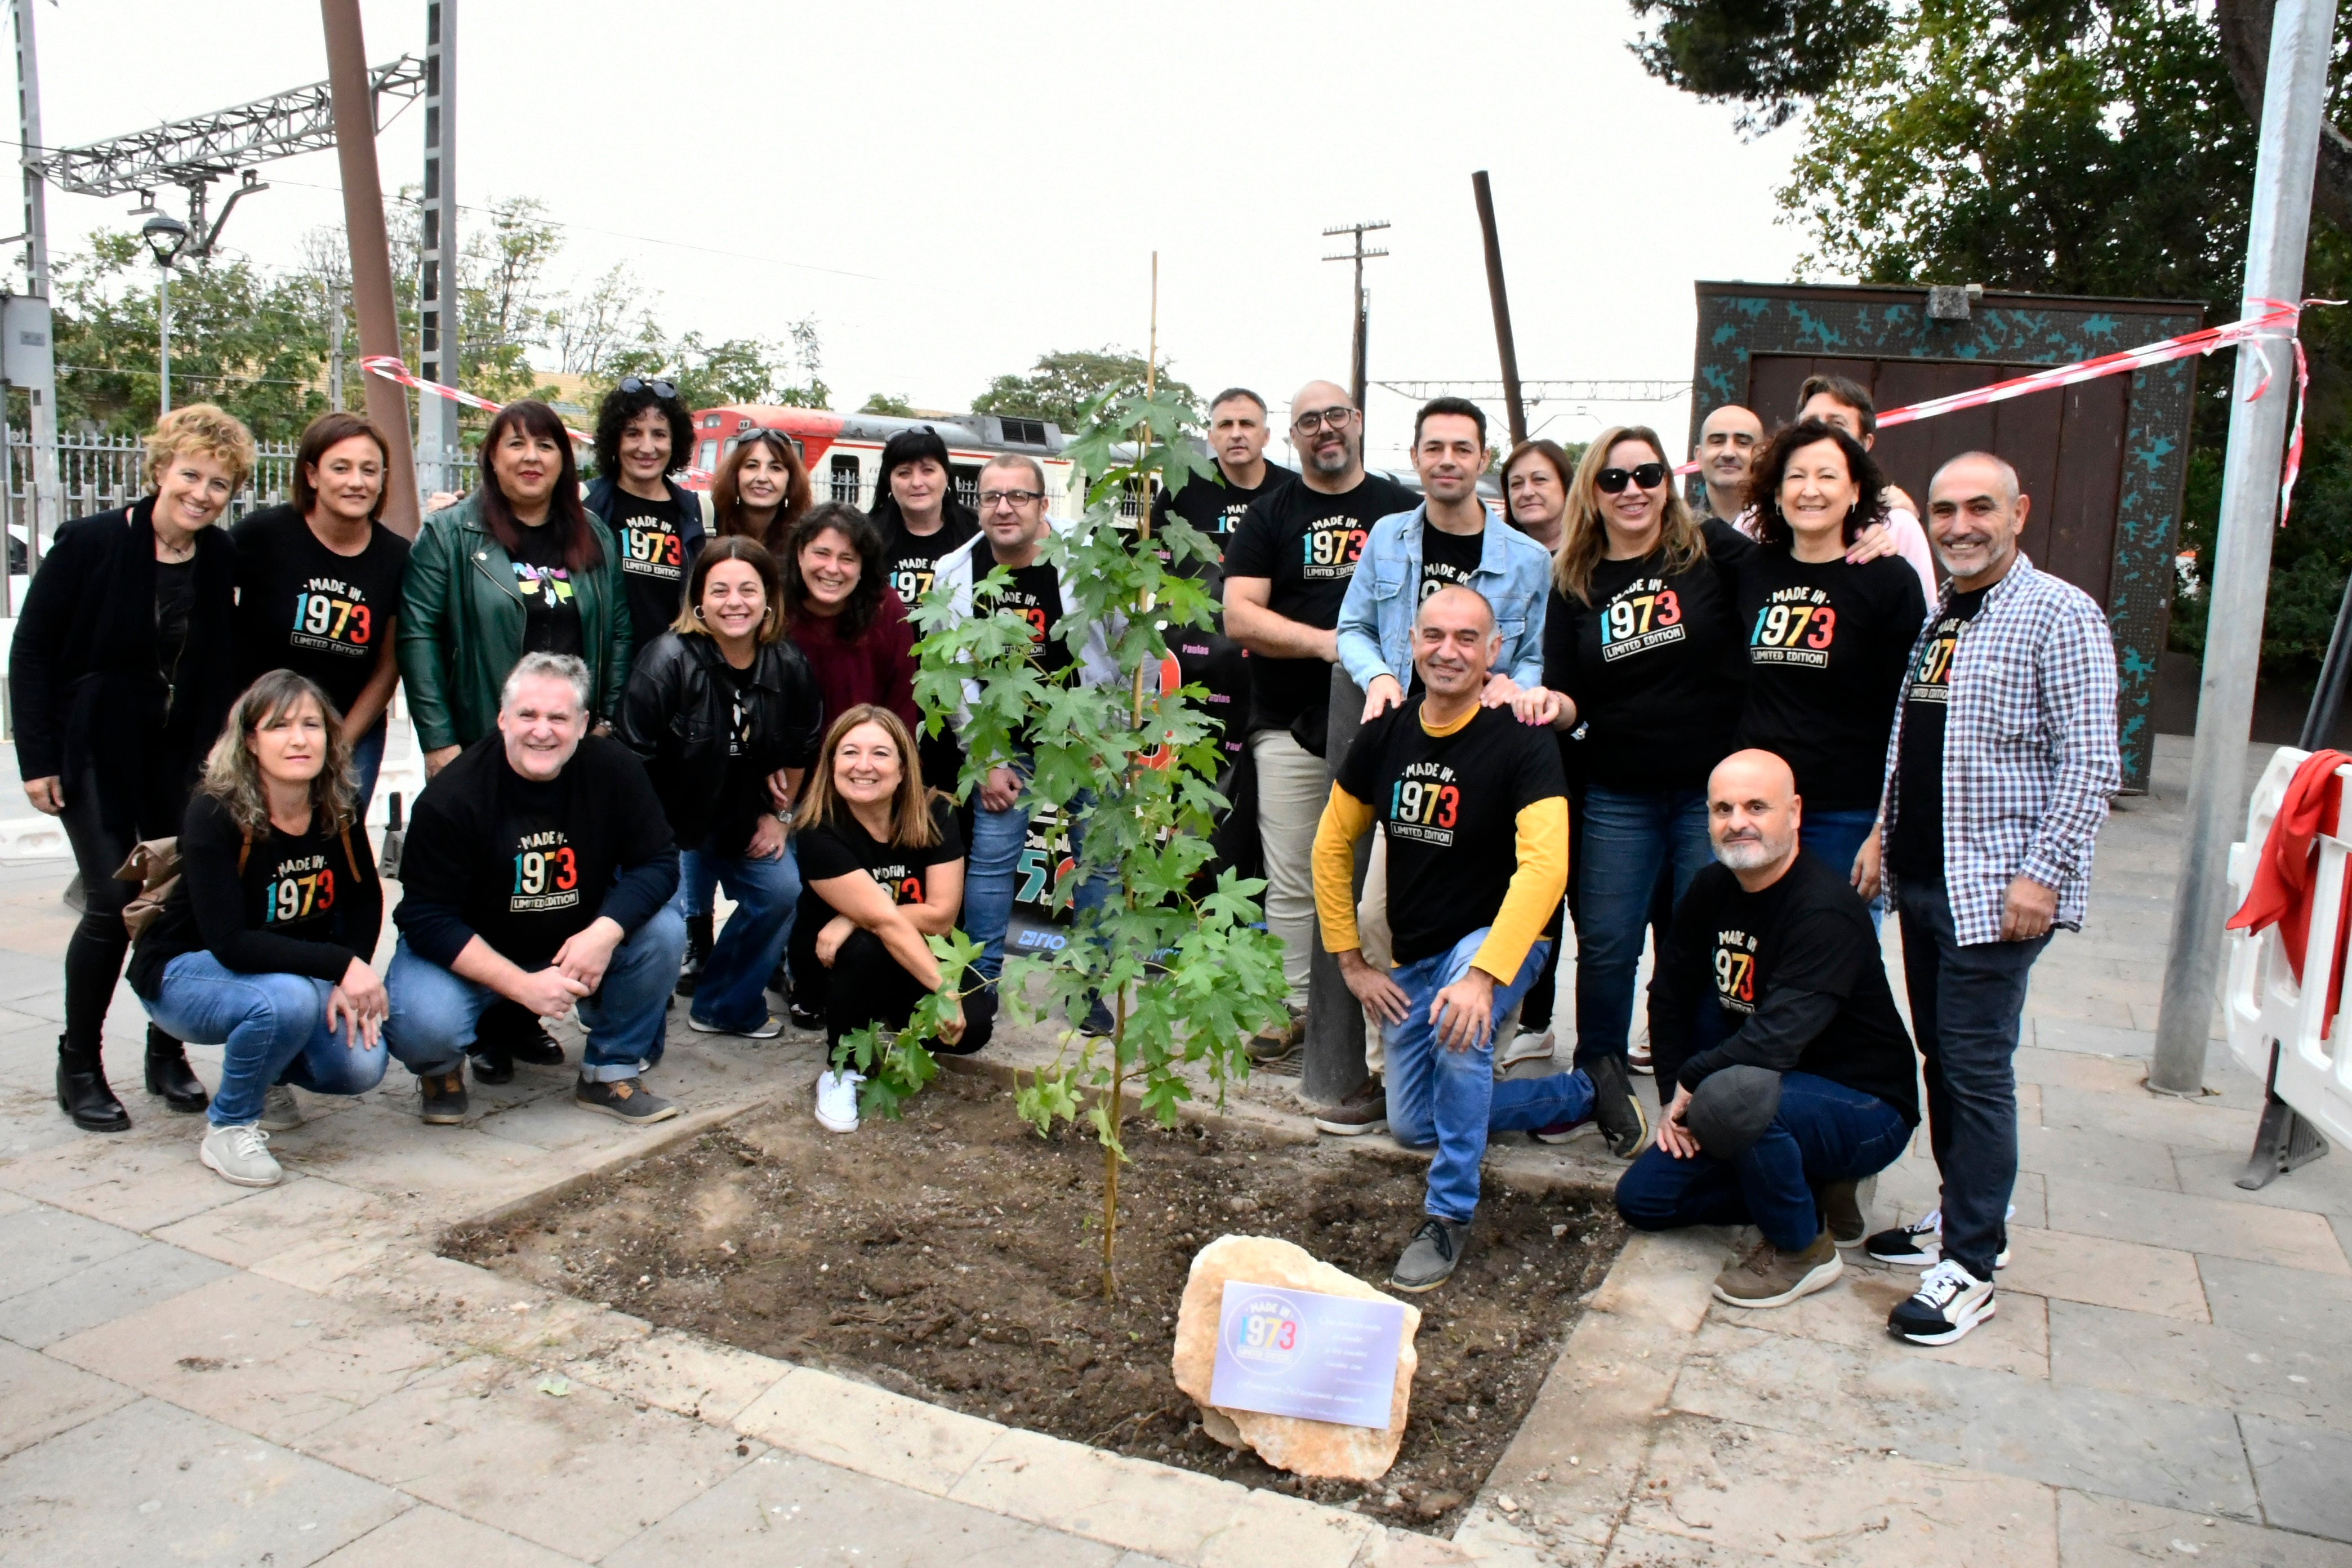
(95, 952)
(867, 985)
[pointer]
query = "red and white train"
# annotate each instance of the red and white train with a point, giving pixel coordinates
(842, 452)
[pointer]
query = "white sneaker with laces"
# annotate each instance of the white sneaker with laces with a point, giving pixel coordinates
(1950, 1302)
(279, 1111)
(1523, 1047)
(836, 1100)
(1920, 1244)
(240, 1154)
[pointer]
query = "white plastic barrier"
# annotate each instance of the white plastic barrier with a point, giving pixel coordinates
(2262, 1000)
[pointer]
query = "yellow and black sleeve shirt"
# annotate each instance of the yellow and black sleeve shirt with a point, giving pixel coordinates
(1477, 817)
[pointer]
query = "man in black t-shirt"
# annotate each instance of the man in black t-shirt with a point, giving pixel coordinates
(539, 868)
(1771, 1015)
(1287, 574)
(1474, 808)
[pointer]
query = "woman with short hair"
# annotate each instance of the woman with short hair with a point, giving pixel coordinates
(122, 668)
(645, 434)
(319, 585)
(883, 865)
(263, 945)
(517, 566)
(723, 709)
(761, 488)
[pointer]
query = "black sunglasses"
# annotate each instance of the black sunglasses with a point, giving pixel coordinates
(1647, 476)
(658, 389)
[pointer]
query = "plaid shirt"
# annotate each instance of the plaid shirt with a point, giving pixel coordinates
(2029, 752)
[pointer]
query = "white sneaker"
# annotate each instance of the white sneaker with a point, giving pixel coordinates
(1637, 1056)
(1950, 1302)
(1920, 1244)
(279, 1111)
(1523, 1047)
(836, 1100)
(240, 1154)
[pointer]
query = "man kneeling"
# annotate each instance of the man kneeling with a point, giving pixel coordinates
(538, 867)
(1476, 810)
(1770, 1015)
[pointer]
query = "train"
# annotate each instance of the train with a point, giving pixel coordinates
(842, 452)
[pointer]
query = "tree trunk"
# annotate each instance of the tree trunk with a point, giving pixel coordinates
(2245, 28)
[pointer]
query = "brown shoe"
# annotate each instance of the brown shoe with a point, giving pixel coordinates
(1841, 1214)
(1365, 1109)
(1280, 1044)
(1767, 1277)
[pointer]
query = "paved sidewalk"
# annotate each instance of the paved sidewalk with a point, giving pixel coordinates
(191, 1372)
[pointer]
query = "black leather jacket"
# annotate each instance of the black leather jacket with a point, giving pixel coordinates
(675, 714)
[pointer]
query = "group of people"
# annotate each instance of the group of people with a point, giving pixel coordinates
(1736, 732)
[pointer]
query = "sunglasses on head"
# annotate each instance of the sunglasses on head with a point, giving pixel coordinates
(635, 383)
(1643, 475)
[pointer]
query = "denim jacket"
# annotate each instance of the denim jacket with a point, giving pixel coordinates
(1376, 623)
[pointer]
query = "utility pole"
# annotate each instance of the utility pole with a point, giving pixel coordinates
(47, 495)
(371, 296)
(1511, 399)
(1358, 360)
(2293, 102)
(163, 316)
(335, 346)
(440, 336)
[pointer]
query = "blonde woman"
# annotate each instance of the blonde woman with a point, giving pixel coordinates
(263, 945)
(883, 863)
(122, 668)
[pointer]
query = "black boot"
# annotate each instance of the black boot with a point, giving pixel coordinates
(169, 1075)
(83, 1095)
(699, 939)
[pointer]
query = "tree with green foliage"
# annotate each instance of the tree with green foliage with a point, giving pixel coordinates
(885, 403)
(2049, 145)
(734, 370)
(1176, 956)
(1066, 384)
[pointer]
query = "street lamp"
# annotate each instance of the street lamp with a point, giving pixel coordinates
(165, 235)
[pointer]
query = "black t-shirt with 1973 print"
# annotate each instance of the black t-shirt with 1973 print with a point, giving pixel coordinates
(842, 848)
(303, 607)
(1916, 847)
(1450, 805)
(656, 553)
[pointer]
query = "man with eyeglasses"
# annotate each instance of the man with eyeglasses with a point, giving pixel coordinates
(1013, 528)
(1728, 439)
(1286, 576)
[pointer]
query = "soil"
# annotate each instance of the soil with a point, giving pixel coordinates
(955, 1256)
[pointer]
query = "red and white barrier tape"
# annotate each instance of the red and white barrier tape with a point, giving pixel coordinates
(2265, 319)
(392, 369)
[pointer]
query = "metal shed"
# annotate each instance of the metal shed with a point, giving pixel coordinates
(2104, 460)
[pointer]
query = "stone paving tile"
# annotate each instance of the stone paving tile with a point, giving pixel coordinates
(2155, 1118)
(2127, 1274)
(2199, 1364)
(684, 1372)
(1911, 1186)
(11, 1203)
(2109, 1039)
(137, 1180)
(125, 1283)
(1633, 1547)
(788, 1508)
(150, 1483)
(1774, 1495)
(1853, 1312)
(2152, 1450)
(2110, 1532)
(40, 1397)
(870, 1430)
(259, 1356)
(2203, 1226)
(2300, 1472)
(44, 1245)
(2264, 1300)
(428, 1536)
(2323, 1187)
(261, 1224)
(2095, 1154)
(580, 1473)
(398, 1156)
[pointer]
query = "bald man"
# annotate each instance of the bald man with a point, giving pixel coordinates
(1286, 576)
(1772, 1019)
(1475, 806)
(1728, 439)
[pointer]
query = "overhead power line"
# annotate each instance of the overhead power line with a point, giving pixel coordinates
(1572, 389)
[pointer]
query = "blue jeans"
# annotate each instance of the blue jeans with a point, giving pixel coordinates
(1835, 838)
(1964, 1007)
(275, 1029)
(1450, 1098)
(992, 865)
(733, 991)
(434, 1011)
(367, 761)
(697, 884)
(1824, 1132)
(1626, 838)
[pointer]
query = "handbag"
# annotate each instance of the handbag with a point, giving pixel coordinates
(154, 865)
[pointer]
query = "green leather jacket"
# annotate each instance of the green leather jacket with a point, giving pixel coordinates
(461, 626)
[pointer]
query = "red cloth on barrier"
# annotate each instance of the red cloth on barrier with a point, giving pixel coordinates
(2281, 893)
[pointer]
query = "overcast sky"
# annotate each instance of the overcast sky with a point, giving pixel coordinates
(951, 191)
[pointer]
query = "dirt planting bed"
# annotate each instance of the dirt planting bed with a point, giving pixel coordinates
(954, 1256)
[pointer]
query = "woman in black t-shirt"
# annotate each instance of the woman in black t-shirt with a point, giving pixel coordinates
(122, 668)
(1827, 640)
(318, 586)
(883, 863)
(262, 946)
(643, 437)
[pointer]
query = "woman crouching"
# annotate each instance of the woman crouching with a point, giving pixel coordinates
(882, 864)
(263, 945)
